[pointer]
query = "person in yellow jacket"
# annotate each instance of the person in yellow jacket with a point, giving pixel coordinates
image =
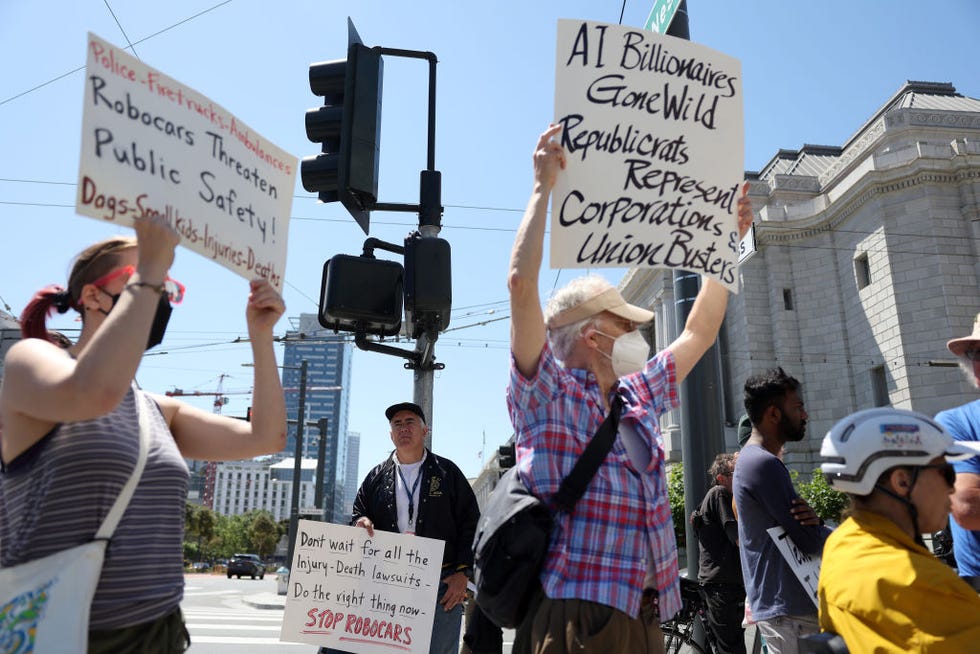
(880, 588)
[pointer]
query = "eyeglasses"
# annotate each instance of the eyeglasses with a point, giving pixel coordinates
(972, 354)
(175, 290)
(946, 470)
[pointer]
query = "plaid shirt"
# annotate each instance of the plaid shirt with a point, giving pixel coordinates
(601, 552)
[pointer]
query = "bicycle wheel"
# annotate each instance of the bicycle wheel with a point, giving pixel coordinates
(678, 640)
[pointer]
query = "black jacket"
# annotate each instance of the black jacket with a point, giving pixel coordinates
(447, 507)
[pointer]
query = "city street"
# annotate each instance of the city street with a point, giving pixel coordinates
(221, 620)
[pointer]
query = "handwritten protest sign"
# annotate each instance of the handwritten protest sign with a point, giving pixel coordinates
(654, 137)
(806, 567)
(151, 144)
(359, 593)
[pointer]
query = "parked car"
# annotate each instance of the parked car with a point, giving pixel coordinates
(200, 566)
(246, 564)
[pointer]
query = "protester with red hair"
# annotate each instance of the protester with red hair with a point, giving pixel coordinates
(71, 434)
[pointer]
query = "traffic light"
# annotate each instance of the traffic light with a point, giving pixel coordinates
(428, 284)
(348, 126)
(361, 294)
(506, 458)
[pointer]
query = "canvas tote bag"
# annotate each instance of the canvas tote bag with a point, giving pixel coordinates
(45, 604)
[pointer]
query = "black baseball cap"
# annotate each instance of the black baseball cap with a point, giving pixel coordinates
(404, 406)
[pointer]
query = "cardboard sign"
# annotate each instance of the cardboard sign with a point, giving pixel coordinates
(359, 593)
(806, 567)
(654, 138)
(151, 144)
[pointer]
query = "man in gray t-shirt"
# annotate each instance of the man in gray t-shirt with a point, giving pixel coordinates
(764, 498)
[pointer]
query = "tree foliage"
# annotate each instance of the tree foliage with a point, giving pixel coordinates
(824, 500)
(208, 535)
(675, 494)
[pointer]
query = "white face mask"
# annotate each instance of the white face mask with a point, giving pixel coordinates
(629, 353)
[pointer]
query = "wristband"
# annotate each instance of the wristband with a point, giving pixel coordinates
(160, 288)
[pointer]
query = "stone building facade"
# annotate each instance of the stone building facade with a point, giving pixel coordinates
(867, 260)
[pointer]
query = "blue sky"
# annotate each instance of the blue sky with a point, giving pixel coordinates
(813, 72)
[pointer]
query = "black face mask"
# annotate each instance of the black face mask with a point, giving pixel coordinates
(160, 318)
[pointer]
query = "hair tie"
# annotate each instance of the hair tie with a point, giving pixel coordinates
(61, 300)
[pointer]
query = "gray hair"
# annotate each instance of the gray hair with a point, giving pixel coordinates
(967, 367)
(575, 292)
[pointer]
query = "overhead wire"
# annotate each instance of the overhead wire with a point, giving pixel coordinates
(144, 39)
(119, 25)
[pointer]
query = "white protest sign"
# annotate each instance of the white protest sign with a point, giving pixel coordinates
(359, 593)
(806, 567)
(151, 144)
(654, 137)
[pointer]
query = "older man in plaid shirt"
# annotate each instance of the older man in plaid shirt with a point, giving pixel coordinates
(611, 571)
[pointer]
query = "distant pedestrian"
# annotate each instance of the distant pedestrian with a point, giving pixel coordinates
(414, 491)
(71, 436)
(719, 567)
(765, 498)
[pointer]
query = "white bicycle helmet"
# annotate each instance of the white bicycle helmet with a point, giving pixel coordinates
(859, 448)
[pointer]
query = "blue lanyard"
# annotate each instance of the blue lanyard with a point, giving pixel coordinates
(411, 494)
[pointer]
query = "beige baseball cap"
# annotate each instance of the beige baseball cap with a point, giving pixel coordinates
(608, 300)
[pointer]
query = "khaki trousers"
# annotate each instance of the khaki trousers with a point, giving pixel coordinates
(579, 627)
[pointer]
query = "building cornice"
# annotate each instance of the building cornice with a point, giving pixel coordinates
(874, 183)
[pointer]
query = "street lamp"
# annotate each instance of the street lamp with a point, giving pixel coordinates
(297, 462)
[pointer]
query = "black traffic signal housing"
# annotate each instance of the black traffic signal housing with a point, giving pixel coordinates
(348, 126)
(362, 294)
(506, 457)
(428, 284)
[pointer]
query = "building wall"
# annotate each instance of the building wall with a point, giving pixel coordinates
(243, 486)
(9, 334)
(352, 481)
(905, 193)
(328, 357)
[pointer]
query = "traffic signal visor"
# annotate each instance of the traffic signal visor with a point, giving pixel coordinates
(361, 294)
(348, 127)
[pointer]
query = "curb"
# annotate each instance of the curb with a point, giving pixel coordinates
(264, 601)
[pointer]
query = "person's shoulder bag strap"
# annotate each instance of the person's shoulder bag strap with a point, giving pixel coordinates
(573, 486)
(119, 507)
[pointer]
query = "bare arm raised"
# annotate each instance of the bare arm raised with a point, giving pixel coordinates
(207, 436)
(527, 328)
(704, 321)
(44, 384)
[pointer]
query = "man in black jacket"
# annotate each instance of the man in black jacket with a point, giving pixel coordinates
(719, 566)
(416, 492)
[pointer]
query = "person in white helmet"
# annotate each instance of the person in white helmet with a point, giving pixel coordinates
(880, 589)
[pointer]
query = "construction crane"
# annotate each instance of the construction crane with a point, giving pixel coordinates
(220, 399)
(220, 395)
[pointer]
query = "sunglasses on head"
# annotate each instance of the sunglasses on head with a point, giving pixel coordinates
(175, 290)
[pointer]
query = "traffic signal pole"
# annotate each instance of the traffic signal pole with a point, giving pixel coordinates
(701, 412)
(422, 360)
(348, 126)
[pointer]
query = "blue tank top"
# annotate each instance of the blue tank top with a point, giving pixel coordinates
(55, 495)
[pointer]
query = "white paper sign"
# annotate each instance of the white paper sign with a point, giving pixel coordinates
(359, 593)
(806, 567)
(654, 136)
(151, 144)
